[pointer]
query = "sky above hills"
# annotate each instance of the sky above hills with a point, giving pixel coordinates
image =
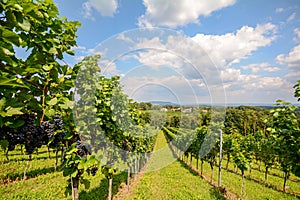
(192, 51)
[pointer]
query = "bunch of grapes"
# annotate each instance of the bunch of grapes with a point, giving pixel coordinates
(48, 128)
(12, 137)
(94, 171)
(33, 135)
(59, 127)
(83, 148)
(58, 122)
(125, 150)
(54, 130)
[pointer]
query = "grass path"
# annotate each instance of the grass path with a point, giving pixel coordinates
(173, 180)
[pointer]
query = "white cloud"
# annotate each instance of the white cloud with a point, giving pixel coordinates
(79, 48)
(291, 17)
(257, 67)
(188, 56)
(292, 59)
(173, 88)
(223, 50)
(124, 38)
(266, 83)
(108, 68)
(104, 7)
(173, 13)
(279, 10)
(293, 75)
(257, 89)
(229, 75)
(297, 33)
(232, 47)
(87, 9)
(79, 58)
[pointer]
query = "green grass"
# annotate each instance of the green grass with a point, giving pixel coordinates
(277, 179)
(253, 190)
(174, 181)
(166, 178)
(43, 182)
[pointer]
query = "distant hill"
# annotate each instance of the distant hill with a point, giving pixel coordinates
(261, 105)
(163, 103)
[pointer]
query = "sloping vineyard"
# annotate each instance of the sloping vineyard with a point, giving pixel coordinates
(74, 128)
(256, 178)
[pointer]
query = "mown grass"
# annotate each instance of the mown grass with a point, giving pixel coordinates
(275, 177)
(166, 179)
(253, 190)
(174, 181)
(45, 183)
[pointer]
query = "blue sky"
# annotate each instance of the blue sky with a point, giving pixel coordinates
(192, 51)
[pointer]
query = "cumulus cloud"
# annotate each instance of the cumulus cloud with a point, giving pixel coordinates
(207, 58)
(232, 47)
(257, 67)
(108, 68)
(104, 7)
(202, 63)
(174, 88)
(229, 75)
(205, 52)
(291, 17)
(249, 88)
(173, 13)
(297, 33)
(124, 38)
(292, 60)
(87, 10)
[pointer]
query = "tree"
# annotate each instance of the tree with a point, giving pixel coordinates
(267, 153)
(241, 158)
(227, 147)
(296, 166)
(285, 126)
(35, 27)
(37, 83)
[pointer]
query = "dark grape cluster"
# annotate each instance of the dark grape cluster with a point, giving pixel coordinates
(34, 136)
(83, 148)
(48, 128)
(94, 171)
(14, 138)
(54, 131)
(125, 150)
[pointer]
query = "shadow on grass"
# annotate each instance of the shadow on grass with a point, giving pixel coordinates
(184, 165)
(16, 153)
(101, 192)
(216, 194)
(26, 158)
(30, 174)
(268, 185)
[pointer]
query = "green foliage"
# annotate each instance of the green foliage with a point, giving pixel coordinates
(38, 82)
(244, 120)
(297, 90)
(284, 126)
